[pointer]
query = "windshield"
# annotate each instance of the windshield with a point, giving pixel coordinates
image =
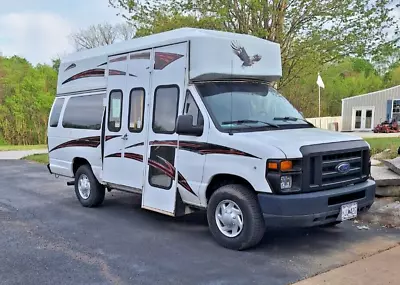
(242, 105)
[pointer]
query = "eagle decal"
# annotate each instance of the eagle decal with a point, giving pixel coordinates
(242, 54)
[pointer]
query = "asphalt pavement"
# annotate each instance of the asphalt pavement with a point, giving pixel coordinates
(46, 237)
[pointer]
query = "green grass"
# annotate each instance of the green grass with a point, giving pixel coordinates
(40, 158)
(378, 145)
(22, 147)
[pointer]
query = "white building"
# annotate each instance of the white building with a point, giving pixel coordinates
(364, 112)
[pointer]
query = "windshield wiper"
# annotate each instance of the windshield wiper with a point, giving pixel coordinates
(244, 122)
(294, 119)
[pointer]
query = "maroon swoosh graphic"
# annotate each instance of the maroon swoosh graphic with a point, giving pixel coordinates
(135, 145)
(96, 72)
(86, 142)
(168, 169)
(114, 72)
(70, 67)
(134, 156)
(112, 137)
(203, 148)
(93, 142)
(117, 154)
(165, 58)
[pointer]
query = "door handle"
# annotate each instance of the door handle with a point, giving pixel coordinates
(125, 137)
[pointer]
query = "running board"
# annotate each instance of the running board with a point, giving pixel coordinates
(70, 183)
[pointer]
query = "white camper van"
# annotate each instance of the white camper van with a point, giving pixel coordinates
(187, 119)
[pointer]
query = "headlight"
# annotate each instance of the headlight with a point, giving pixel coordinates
(286, 182)
(284, 176)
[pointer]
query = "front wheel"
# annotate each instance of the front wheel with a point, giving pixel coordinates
(234, 217)
(88, 190)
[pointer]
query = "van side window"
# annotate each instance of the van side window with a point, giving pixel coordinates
(166, 100)
(115, 111)
(84, 112)
(55, 113)
(136, 110)
(191, 108)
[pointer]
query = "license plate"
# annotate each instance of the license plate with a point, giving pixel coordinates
(348, 211)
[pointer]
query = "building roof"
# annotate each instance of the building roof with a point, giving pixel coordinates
(374, 93)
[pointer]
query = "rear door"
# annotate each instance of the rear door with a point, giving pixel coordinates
(168, 84)
(115, 131)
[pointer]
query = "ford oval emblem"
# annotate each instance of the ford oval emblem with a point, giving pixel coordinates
(343, 167)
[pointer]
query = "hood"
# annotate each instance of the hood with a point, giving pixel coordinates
(290, 141)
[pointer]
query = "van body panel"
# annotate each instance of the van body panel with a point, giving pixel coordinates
(65, 144)
(288, 141)
(190, 161)
(234, 56)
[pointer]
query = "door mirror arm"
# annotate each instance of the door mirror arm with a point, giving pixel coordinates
(184, 126)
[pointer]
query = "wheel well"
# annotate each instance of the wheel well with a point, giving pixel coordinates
(220, 180)
(78, 162)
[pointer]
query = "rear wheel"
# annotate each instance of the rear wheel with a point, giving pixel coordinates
(234, 217)
(88, 190)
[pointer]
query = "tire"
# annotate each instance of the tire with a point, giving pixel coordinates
(253, 226)
(95, 196)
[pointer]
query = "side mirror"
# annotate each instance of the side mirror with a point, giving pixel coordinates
(184, 126)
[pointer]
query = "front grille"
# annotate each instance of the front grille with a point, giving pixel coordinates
(320, 165)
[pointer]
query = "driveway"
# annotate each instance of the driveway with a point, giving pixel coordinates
(18, 154)
(46, 237)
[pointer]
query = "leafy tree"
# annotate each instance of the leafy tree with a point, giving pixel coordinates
(26, 96)
(310, 32)
(56, 64)
(392, 77)
(346, 78)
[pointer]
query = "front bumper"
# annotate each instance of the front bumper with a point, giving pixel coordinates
(316, 208)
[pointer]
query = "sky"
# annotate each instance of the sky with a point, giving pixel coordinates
(39, 30)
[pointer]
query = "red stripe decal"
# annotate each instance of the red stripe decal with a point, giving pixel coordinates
(97, 72)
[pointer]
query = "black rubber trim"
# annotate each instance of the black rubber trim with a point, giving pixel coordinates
(48, 167)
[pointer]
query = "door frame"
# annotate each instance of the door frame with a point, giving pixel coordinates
(363, 110)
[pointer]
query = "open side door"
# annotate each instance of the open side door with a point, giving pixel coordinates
(168, 82)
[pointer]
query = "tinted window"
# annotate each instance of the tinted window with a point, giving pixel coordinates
(165, 109)
(161, 156)
(136, 102)
(191, 108)
(55, 113)
(115, 111)
(84, 112)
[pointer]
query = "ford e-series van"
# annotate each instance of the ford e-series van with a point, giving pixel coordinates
(189, 120)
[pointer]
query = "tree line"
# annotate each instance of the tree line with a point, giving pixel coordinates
(26, 96)
(354, 44)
